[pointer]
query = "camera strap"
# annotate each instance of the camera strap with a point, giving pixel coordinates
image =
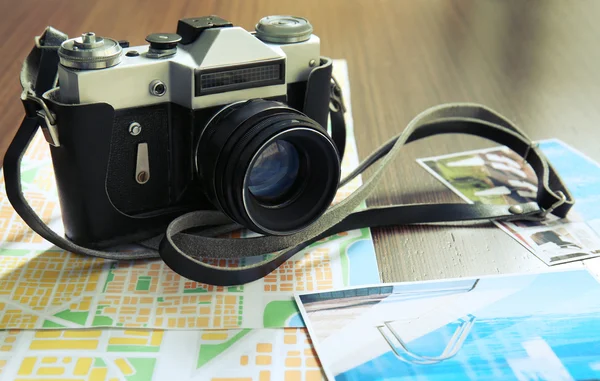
(193, 255)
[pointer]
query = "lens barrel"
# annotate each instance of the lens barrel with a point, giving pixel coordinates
(267, 166)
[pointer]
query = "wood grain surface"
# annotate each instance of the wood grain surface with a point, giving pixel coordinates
(537, 62)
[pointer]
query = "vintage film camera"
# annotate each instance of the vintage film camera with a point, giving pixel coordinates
(214, 128)
(212, 117)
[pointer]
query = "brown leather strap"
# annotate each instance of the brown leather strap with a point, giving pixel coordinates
(185, 252)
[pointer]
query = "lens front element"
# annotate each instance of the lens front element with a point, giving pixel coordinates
(274, 174)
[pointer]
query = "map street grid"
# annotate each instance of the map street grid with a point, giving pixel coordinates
(143, 355)
(44, 287)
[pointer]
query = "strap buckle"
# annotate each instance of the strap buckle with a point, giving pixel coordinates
(48, 125)
(558, 203)
(336, 100)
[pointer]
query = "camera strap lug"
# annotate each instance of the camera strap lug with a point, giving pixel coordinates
(49, 129)
(336, 101)
(47, 120)
(38, 75)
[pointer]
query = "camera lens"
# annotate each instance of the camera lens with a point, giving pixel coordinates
(274, 173)
(267, 166)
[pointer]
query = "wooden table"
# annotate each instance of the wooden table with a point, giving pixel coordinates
(536, 62)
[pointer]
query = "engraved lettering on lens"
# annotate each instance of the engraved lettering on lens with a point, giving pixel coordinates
(274, 173)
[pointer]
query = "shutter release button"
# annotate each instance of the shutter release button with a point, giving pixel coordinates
(162, 44)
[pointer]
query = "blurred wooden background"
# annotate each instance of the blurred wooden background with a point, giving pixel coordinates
(537, 62)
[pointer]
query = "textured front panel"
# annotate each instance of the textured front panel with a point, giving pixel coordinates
(124, 191)
(81, 166)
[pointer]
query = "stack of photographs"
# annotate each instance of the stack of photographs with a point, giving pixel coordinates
(500, 176)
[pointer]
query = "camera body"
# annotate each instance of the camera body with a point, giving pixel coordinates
(131, 120)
